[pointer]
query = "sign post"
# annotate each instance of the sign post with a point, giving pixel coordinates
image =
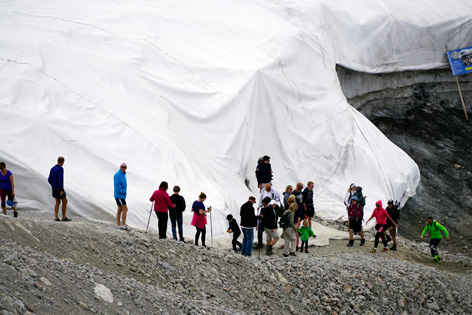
(460, 61)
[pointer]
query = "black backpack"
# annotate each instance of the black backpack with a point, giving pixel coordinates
(283, 223)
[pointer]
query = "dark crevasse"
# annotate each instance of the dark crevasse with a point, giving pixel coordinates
(421, 112)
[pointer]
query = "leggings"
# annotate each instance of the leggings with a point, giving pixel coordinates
(304, 243)
(380, 234)
(203, 231)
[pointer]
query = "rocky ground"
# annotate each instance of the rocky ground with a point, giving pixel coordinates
(87, 266)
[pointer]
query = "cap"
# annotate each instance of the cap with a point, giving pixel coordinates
(354, 198)
(229, 217)
(390, 201)
(273, 202)
(265, 158)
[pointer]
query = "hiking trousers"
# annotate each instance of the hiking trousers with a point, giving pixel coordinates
(433, 244)
(380, 234)
(290, 238)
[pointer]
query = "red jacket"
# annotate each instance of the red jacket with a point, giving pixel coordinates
(161, 201)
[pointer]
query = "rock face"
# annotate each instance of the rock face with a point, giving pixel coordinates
(421, 112)
(83, 267)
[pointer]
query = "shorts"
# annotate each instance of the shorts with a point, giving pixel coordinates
(271, 235)
(56, 193)
(4, 194)
(310, 211)
(120, 202)
(355, 225)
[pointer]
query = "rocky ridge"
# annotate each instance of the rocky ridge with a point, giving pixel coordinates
(86, 266)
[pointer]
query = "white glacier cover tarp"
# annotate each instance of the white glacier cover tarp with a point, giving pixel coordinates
(194, 92)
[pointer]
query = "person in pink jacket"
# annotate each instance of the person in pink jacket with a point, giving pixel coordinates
(199, 218)
(381, 216)
(161, 204)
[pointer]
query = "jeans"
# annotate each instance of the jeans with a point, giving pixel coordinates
(248, 239)
(174, 223)
(162, 218)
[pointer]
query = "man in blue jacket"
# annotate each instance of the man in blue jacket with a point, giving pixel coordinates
(56, 180)
(120, 197)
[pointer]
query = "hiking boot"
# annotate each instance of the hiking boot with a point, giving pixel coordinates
(268, 252)
(385, 249)
(301, 249)
(351, 243)
(374, 250)
(362, 242)
(285, 255)
(296, 248)
(306, 250)
(437, 258)
(293, 254)
(15, 214)
(394, 247)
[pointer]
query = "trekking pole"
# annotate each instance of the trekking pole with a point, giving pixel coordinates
(149, 217)
(211, 229)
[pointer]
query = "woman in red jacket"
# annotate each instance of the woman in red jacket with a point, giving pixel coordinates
(161, 204)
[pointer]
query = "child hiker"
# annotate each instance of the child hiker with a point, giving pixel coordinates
(435, 230)
(381, 216)
(234, 228)
(305, 232)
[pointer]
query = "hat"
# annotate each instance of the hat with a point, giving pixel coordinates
(229, 217)
(273, 202)
(390, 201)
(265, 158)
(354, 198)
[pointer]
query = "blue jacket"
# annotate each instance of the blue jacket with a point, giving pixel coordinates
(120, 184)
(56, 177)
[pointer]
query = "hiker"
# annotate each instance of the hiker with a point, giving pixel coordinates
(264, 172)
(161, 205)
(7, 189)
(199, 218)
(435, 230)
(287, 193)
(270, 192)
(56, 180)
(260, 226)
(269, 221)
(175, 214)
(120, 183)
(350, 192)
(248, 222)
(354, 212)
(305, 232)
(381, 216)
(360, 198)
(299, 215)
(308, 205)
(234, 228)
(291, 199)
(289, 230)
(394, 213)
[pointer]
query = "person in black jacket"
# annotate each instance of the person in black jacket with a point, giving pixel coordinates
(175, 214)
(234, 228)
(264, 172)
(269, 221)
(248, 222)
(394, 213)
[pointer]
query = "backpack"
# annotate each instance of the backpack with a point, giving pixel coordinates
(283, 223)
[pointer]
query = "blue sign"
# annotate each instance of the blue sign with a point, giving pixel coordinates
(460, 60)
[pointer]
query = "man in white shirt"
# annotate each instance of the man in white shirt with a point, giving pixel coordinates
(270, 192)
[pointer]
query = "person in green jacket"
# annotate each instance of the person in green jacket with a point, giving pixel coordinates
(305, 232)
(435, 229)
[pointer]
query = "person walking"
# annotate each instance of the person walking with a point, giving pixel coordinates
(7, 189)
(308, 203)
(175, 214)
(120, 183)
(354, 212)
(381, 216)
(305, 232)
(56, 180)
(161, 204)
(435, 229)
(199, 218)
(269, 221)
(289, 231)
(248, 223)
(287, 193)
(234, 228)
(394, 213)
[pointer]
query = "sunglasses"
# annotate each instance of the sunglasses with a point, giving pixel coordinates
(123, 167)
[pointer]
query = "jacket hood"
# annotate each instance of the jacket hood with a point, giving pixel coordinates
(379, 203)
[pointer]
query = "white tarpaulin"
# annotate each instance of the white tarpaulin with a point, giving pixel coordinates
(194, 92)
